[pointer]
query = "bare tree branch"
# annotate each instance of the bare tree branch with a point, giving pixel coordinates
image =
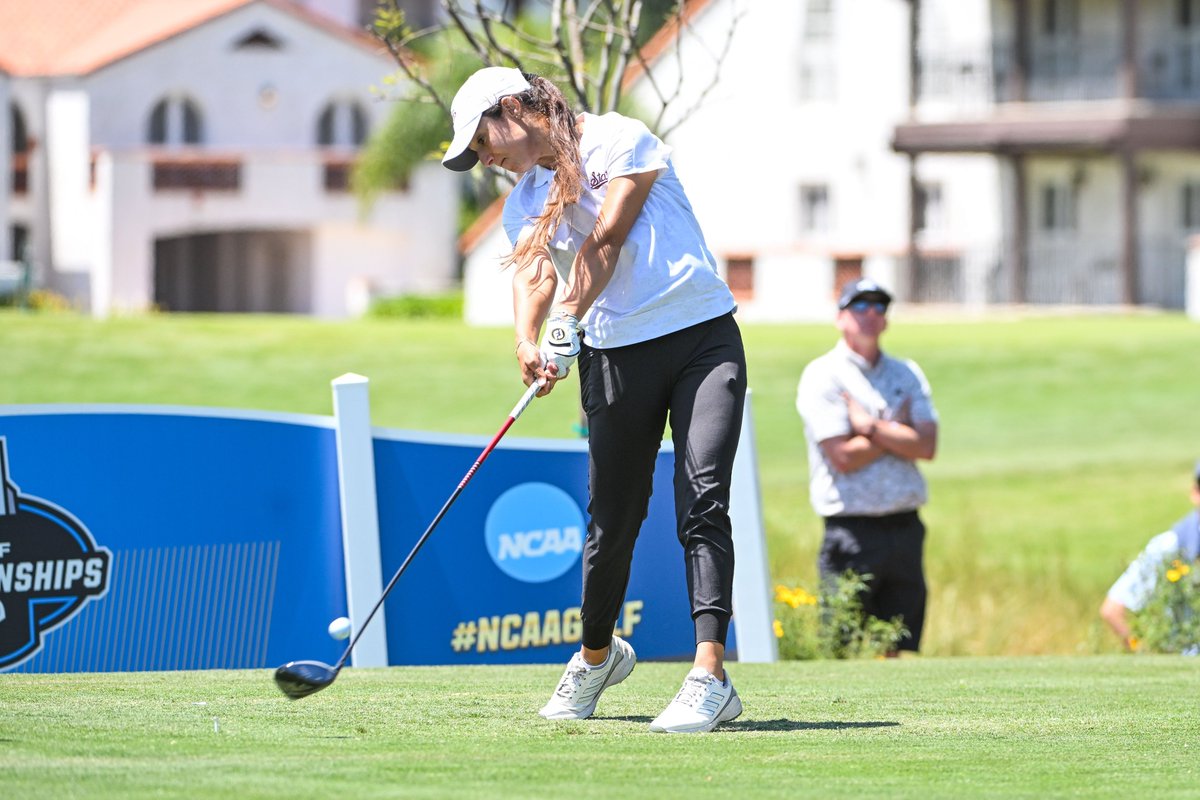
(485, 20)
(456, 14)
(718, 60)
(565, 54)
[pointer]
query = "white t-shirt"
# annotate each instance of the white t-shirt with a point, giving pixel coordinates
(893, 389)
(1136, 584)
(665, 279)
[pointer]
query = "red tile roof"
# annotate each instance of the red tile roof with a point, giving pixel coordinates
(76, 37)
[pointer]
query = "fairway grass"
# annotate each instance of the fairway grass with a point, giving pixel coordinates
(1099, 726)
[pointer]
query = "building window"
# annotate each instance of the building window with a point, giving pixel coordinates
(342, 123)
(175, 120)
(814, 208)
(930, 215)
(1191, 206)
(846, 269)
(259, 40)
(20, 242)
(1185, 13)
(816, 52)
(1060, 18)
(1058, 207)
(20, 150)
(20, 134)
(739, 274)
(818, 20)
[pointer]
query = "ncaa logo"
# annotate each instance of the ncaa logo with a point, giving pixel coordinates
(534, 532)
(50, 566)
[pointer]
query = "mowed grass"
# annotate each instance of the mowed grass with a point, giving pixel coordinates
(1100, 726)
(1066, 442)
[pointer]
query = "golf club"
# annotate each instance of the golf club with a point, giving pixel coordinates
(299, 679)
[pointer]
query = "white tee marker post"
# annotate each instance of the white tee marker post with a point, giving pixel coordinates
(752, 609)
(360, 517)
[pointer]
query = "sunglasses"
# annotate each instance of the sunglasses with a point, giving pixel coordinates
(862, 306)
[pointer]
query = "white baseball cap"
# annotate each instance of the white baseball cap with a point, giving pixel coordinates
(478, 93)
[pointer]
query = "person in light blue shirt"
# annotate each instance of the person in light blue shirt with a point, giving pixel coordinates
(1133, 589)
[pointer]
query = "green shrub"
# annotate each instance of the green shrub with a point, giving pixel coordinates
(1170, 621)
(832, 624)
(414, 306)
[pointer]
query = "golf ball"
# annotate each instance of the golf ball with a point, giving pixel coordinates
(340, 628)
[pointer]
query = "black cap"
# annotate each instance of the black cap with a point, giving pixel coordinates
(863, 289)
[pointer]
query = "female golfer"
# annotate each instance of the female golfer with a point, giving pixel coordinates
(599, 209)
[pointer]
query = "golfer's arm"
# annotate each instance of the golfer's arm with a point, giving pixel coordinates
(918, 441)
(850, 453)
(533, 285)
(597, 257)
(1117, 617)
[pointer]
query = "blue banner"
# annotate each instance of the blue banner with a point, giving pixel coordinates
(499, 580)
(220, 537)
(150, 538)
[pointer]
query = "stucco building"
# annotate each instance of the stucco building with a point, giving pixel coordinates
(194, 156)
(969, 152)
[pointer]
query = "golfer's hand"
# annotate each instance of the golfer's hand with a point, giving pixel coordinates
(561, 343)
(862, 422)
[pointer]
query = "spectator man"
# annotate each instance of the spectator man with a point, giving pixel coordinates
(868, 418)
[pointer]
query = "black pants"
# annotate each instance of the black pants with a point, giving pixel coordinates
(889, 548)
(696, 379)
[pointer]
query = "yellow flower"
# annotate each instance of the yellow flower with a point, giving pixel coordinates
(778, 626)
(1184, 569)
(794, 597)
(1134, 643)
(805, 598)
(1173, 575)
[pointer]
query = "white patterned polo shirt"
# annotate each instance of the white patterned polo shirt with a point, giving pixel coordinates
(893, 389)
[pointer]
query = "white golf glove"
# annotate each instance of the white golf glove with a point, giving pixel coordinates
(561, 343)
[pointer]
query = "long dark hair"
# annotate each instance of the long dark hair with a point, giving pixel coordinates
(544, 98)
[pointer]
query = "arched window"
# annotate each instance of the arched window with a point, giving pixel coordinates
(20, 150)
(175, 120)
(158, 123)
(193, 128)
(342, 123)
(20, 134)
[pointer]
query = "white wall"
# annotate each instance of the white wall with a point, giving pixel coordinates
(229, 85)
(404, 244)
(69, 156)
(487, 290)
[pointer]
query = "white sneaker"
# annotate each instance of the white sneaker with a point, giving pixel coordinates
(581, 684)
(703, 703)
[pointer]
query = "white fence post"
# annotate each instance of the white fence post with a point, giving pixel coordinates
(1192, 288)
(752, 579)
(360, 516)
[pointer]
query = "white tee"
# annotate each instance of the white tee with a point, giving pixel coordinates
(665, 279)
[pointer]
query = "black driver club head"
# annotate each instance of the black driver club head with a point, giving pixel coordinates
(299, 679)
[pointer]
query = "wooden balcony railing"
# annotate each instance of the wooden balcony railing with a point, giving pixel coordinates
(337, 174)
(197, 174)
(20, 173)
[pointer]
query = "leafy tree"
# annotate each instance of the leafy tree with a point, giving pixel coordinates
(586, 46)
